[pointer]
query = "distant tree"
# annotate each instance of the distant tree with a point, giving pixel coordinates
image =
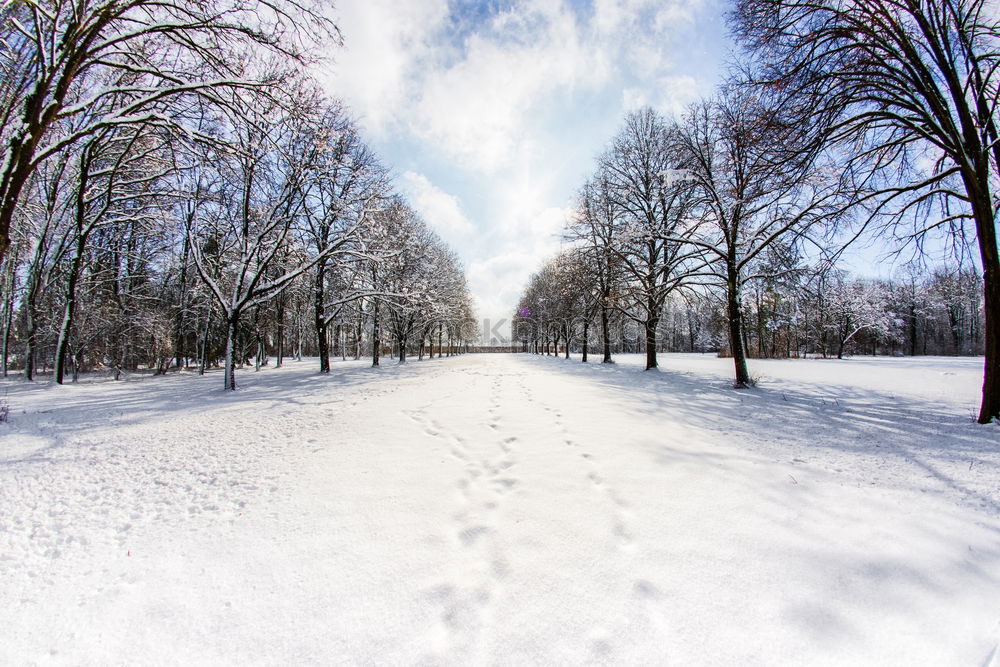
(583, 296)
(773, 295)
(856, 306)
(593, 230)
(653, 212)
(955, 298)
(391, 266)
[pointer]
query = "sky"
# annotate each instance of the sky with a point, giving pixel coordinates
(491, 114)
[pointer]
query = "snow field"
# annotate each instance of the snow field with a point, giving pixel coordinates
(505, 509)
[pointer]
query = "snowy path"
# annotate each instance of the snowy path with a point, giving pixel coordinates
(504, 510)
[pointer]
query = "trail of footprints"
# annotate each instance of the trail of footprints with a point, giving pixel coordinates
(621, 516)
(466, 601)
(486, 479)
(645, 597)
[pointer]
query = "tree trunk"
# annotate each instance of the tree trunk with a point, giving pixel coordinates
(8, 315)
(279, 341)
(691, 331)
(358, 329)
(62, 346)
(8, 320)
(651, 324)
(762, 352)
(29, 343)
(842, 339)
(376, 343)
(232, 333)
(586, 334)
(18, 153)
(606, 335)
(735, 309)
(181, 307)
(986, 229)
(203, 362)
(319, 294)
(32, 287)
(322, 346)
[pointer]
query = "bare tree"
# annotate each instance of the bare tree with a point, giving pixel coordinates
(117, 174)
(856, 306)
(651, 245)
(260, 203)
(593, 230)
(386, 238)
(349, 184)
(753, 188)
(46, 238)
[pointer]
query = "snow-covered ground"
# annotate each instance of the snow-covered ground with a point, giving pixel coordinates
(505, 509)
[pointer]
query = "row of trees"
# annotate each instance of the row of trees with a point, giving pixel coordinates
(176, 190)
(813, 311)
(843, 116)
(720, 198)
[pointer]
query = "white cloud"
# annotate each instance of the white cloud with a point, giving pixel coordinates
(481, 96)
(634, 98)
(384, 41)
(670, 14)
(439, 209)
(672, 95)
(479, 109)
(676, 93)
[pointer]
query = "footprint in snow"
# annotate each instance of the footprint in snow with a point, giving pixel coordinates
(626, 542)
(506, 482)
(645, 589)
(470, 535)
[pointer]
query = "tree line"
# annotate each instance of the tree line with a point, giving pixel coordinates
(814, 311)
(840, 119)
(176, 190)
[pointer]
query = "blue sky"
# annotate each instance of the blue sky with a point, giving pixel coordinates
(491, 113)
